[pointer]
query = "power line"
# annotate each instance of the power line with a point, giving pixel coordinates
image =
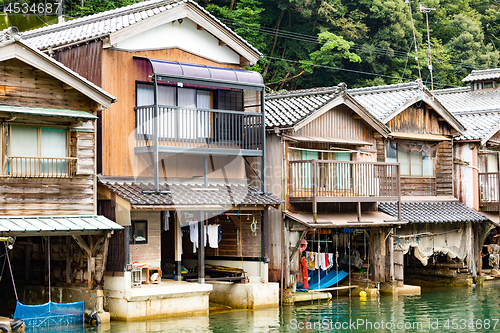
(358, 47)
(349, 70)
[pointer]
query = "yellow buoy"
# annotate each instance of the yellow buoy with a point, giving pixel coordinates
(362, 293)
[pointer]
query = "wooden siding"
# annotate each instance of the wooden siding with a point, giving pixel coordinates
(339, 122)
(421, 120)
(24, 85)
(119, 74)
(150, 252)
(234, 243)
(86, 60)
(444, 169)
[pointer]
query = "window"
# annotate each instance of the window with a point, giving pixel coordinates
(478, 85)
(178, 116)
(38, 151)
(139, 232)
(415, 159)
(488, 85)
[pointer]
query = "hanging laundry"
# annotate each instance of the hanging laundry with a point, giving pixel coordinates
(193, 232)
(305, 274)
(316, 260)
(310, 261)
(330, 260)
(213, 235)
(166, 224)
(323, 261)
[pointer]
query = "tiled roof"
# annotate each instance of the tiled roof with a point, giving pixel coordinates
(485, 74)
(138, 193)
(381, 101)
(102, 24)
(288, 108)
(433, 212)
(464, 99)
(478, 124)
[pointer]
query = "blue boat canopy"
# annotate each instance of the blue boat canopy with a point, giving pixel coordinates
(204, 75)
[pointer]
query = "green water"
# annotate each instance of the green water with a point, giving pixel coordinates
(451, 310)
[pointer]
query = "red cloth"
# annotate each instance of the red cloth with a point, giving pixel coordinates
(304, 272)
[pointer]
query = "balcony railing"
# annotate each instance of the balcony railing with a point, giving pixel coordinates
(343, 181)
(41, 167)
(184, 129)
(488, 188)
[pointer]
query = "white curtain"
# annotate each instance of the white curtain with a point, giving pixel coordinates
(186, 97)
(203, 102)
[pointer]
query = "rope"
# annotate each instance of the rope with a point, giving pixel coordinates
(11, 275)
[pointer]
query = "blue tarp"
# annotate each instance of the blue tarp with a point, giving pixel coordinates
(327, 279)
(51, 313)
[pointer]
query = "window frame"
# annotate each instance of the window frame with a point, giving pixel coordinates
(132, 237)
(408, 160)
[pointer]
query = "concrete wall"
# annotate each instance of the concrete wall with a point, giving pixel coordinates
(245, 296)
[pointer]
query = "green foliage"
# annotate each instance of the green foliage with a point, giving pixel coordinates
(309, 43)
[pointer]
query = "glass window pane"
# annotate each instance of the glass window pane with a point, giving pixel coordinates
(427, 164)
(416, 163)
(488, 85)
(54, 142)
(23, 141)
(187, 97)
(204, 101)
(145, 94)
(404, 160)
(166, 95)
(492, 163)
(391, 153)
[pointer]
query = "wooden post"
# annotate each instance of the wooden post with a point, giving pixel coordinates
(68, 259)
(287, 254)
(177, 247)
(201, 248)
(398, 173)
(314, 190)
(399, 267)
(104, 256)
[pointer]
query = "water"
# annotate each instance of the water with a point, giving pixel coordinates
(474, 309)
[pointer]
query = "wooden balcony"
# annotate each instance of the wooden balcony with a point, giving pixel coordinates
(488, 189)
(40, 167)
(343, 181)
(199, 131)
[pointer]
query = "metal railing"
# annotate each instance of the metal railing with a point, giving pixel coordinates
(199, 128)
(314, 180)
(41, 167)
(488, 188)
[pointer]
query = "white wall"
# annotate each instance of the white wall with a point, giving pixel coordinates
(184, 36)
(464, 185)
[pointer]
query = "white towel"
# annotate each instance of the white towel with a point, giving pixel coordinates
(316, 261)
(213, 235)
(193, 234)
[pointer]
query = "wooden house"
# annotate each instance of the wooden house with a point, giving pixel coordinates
(184, 145)
(48, 204)
(440, 227)
(476, 152)
(322, 154)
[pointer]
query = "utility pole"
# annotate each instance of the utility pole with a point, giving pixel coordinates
(414, 39)
(426, 10)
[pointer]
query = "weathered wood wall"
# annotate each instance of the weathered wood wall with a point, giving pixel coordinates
(340, 122)
(86, 60)
(24, 85)
(421, 120)
(119, 76)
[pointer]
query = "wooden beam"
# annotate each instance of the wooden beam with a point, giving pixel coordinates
(221, 43)
(104, 256)
(68, 259)
(296, 248)
(199, 27)
(81, 243)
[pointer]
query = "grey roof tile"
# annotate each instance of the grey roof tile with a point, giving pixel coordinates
(100, 25)
(433, 212)
(464, 99)
(288, 108)
(478, 124)
(190, 194)
(381, 101)
(484, 74)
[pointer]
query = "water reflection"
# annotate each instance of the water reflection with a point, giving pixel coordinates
(433, 311)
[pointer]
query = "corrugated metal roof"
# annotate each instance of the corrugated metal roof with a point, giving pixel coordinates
(433, 212)
(142, 194)
(102, 24)
(484, 74)
(54, 224)
(478, 124)
(381, 101)
(288, 108)
(47, 111)
(464, 99)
